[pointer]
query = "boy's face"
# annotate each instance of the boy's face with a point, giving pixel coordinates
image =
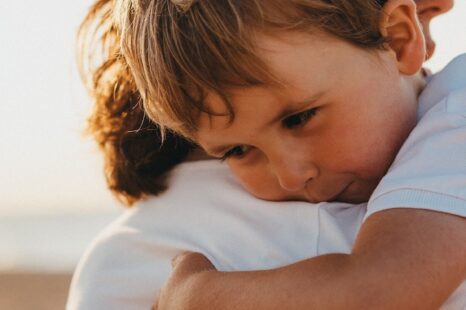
(328, 134)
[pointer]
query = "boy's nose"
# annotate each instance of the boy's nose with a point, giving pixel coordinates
(292, 176)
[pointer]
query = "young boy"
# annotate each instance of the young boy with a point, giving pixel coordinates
(138, 245)
(286, 110)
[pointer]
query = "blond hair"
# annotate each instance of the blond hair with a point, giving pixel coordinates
(179, 50)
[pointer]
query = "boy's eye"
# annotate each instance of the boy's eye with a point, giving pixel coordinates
(236, 151)
(298, 119)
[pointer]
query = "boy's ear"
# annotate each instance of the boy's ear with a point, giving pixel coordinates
(399, 23)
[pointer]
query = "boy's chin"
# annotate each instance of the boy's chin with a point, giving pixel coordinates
(352, 200)
(356, 193)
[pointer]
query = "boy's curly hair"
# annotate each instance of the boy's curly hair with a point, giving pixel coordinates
(136, 160)
(181, 50)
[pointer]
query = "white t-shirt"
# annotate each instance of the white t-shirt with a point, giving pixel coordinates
(205, 210)
(429, 171)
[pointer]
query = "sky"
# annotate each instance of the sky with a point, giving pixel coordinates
(47, 165)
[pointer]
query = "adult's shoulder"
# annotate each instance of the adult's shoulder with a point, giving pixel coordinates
(451, 79)
(204, 210)
(126, 264)
(118, 265)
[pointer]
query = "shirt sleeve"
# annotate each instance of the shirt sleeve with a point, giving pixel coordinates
(430, 169)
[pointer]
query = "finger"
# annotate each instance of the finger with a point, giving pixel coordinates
(190, 262)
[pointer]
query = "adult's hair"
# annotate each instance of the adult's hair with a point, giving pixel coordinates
(181, 50)
(136, 160)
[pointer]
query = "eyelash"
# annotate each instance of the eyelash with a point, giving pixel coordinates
(299, 119)
(289, 122)
(233, 152)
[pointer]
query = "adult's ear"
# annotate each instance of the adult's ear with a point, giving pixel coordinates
(399, 23)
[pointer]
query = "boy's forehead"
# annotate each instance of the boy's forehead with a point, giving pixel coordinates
(292, 56)
(252, 106)
(293, 77)
(303, 67)
(242, 97)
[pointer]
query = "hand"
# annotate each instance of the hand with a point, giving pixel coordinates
(188, 268)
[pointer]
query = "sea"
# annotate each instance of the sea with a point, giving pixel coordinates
(47, 243)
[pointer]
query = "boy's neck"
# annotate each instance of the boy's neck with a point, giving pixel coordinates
(419, 81)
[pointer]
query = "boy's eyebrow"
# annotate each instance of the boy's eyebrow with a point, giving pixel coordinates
(289, 109)
(218, 152)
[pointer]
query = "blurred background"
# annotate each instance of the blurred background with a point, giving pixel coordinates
(53, 197)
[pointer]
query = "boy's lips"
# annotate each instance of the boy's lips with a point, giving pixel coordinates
(329, 198)
(357, 191)
(341, 194)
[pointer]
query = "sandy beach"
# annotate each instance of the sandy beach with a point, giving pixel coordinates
(26, 291)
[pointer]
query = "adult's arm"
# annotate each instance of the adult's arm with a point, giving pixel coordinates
(402, 259)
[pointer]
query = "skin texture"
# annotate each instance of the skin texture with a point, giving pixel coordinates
(308, 140)
(402, 258)
(316, 170)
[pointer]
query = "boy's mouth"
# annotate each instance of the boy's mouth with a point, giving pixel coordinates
(339, 197)
(354, 193)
